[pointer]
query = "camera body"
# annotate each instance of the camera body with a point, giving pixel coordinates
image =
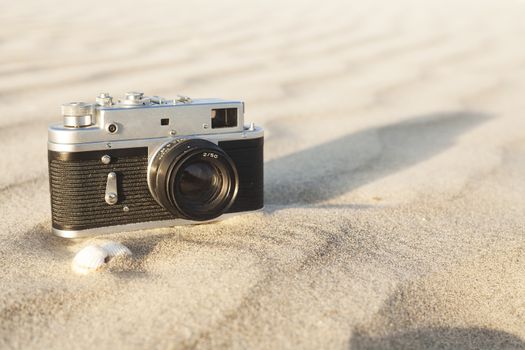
(146, 162)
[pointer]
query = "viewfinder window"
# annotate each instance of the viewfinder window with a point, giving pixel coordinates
(223, 118)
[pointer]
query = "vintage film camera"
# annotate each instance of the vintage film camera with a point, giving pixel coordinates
(146, 162)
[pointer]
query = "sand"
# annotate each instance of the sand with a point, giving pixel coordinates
(394, 162)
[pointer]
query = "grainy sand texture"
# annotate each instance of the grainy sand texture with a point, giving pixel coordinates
(394, 176)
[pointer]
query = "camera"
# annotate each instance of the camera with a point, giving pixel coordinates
(145, 161)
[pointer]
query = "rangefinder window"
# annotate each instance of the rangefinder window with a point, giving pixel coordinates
(223, 118)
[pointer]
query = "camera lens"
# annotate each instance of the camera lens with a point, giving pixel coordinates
(199, 182)
(193, 179)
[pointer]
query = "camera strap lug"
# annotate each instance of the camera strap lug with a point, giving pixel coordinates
(111, 189)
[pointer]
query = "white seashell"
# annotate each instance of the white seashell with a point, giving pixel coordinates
(115, 249)
(89, 259)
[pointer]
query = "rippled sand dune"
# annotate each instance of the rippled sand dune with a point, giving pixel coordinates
(394, 175)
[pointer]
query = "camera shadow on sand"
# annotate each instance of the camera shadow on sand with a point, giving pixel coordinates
(325, 171)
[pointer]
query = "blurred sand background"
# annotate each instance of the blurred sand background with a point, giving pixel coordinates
(394, 175)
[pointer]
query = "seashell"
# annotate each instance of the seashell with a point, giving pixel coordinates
(115, 249)
(89, 258)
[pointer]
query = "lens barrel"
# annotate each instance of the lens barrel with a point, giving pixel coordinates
(193, 179)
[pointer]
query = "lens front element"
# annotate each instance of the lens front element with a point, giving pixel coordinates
(193, 179)
(199, 182)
